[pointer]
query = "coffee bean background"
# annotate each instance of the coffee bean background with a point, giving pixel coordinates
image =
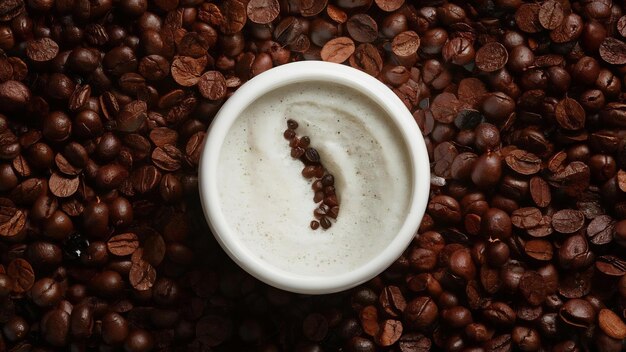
(104, 106)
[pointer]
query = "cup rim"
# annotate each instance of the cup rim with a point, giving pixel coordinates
(278, 77)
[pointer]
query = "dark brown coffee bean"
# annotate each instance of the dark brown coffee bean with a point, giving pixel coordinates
(81, 321)
(311, 155)
(43, 255)
(527, 18)
(63, 187)
(487, 170)
(186, 70)
(212, 85)
(523, 162)
(46, 292)
(611, 265)
(42, 50)
(491, 57)
(139, 340)
(445, 208)
(570, 115)
(58, 226)
(234, 16)
(145, 179)
(551, 14)
(601, 229)
(114, 328)
(362, 28)
(263, 11)
(539, 249)
(570, 29)
(142, 275)
(389, 333)
(532, 288)
(574, 252)
(499, 313)
(420, 312)
(612, 51)
(313, 171)
(621, 26)
(119, 60)
(392, 301)
(55, 327)
(367, 58)
(568, 221)
(325, 222)
(577, 313)
(15, 328)
(22, 275)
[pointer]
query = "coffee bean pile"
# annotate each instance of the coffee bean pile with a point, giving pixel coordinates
(104, 106)
(323, 182)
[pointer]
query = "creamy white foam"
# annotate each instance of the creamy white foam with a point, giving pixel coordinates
(268, 203)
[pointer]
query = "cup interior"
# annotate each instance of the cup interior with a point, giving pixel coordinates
(313, 71)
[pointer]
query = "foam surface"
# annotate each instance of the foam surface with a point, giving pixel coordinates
(268, 203)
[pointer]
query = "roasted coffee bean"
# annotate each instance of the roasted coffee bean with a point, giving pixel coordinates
(499, 313)
(15, 329)
(55, 327)
(139, 340)
(420, 312)
(577, 313)
(114, 328)
(445, 208)
(337, 50)
(46, 292)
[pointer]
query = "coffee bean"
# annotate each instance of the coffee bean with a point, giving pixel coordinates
(46, 292)
(499, 313)
(389, 333)
(263, 11)
(16, 329)
(212, 85)
(389, 6)
(139, 340)
(42, 50)
(22, 274)
(420, 312)
(527, 339)
(14, 95)
(445, 208)
(81, 321)
(123, 244)
(487, 170)
(142, 275)
(612, 51)
(496, 224)
(362, 28)
(611, 324)
(611, 265)
(405, 44)
(114, 328)
(577, 313)
(338, 50)
(551, 14)
(568, 221)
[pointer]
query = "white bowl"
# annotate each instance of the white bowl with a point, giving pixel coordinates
(318, 71)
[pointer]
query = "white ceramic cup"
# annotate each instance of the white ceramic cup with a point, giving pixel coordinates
(298, 72)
